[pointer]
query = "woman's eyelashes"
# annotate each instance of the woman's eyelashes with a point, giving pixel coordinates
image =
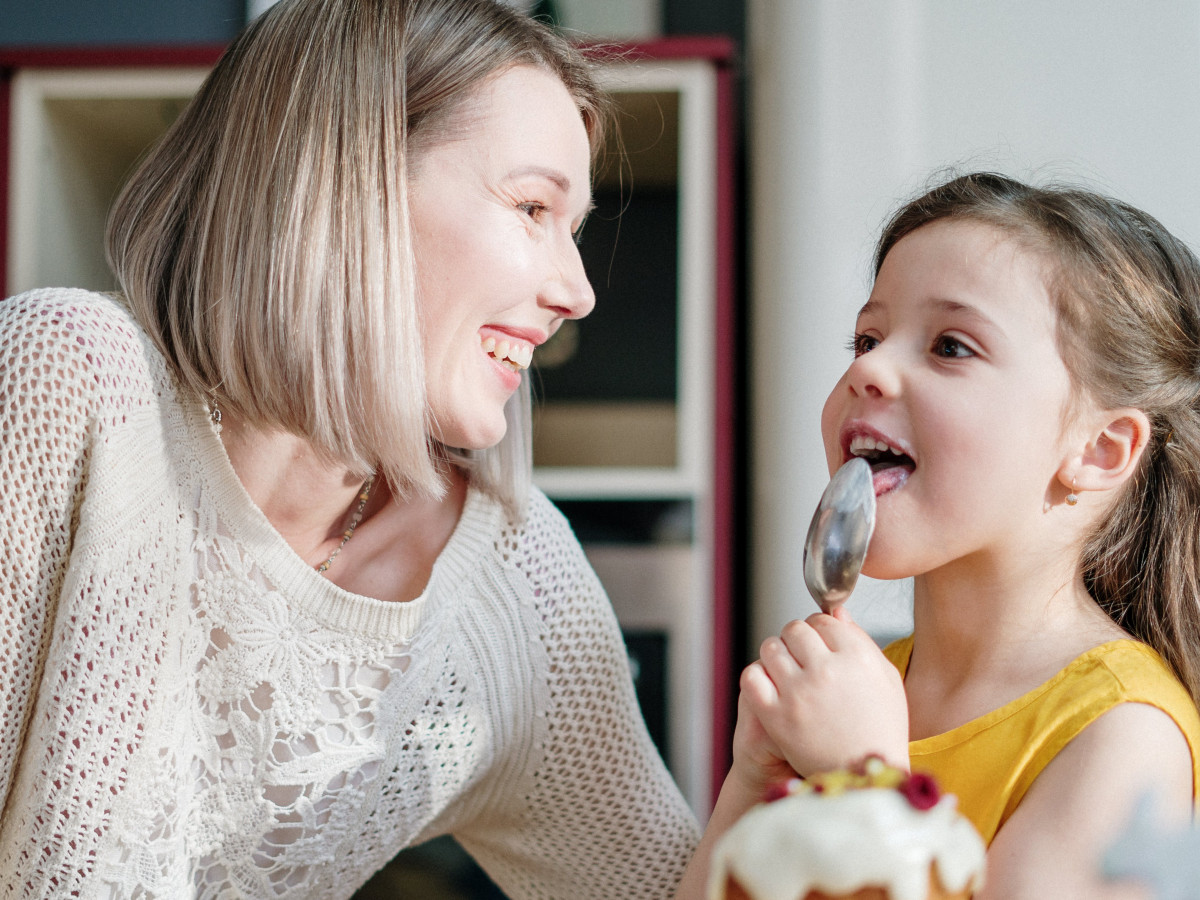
(577, 234)
(539, 212)
(535, 209)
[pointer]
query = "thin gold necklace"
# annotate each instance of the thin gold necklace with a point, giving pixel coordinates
(364, 495)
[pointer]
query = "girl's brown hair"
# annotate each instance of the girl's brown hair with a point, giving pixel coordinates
(264, 243)
(1127, 298)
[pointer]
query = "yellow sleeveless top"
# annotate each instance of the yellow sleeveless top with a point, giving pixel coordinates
(990, 762)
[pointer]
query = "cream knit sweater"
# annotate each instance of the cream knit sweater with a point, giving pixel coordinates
(188, 710)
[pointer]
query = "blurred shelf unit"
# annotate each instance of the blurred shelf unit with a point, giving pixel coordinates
(634, 406)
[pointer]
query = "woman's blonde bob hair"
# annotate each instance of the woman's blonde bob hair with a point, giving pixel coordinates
(264, 243)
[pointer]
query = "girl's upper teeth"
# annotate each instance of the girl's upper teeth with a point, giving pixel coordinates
(516, 353)
(864, 444)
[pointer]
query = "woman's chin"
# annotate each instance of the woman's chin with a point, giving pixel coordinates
(476, 438)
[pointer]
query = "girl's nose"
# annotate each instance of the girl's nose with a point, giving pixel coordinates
(568, 292)
(874, 373)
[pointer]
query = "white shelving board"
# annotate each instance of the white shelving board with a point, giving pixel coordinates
(669, 586)
(75, 135)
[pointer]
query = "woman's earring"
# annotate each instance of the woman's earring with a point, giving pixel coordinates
(1072, 498)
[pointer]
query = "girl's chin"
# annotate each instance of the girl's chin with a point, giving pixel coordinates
(887, 573)
(885, 563)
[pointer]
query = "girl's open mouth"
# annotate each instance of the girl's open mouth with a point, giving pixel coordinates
(890, 466)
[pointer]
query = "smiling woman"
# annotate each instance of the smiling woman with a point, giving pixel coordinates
(494, 217)
(282, 601)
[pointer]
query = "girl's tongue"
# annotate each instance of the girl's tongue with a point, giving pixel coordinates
(890, 466)
(887, 478)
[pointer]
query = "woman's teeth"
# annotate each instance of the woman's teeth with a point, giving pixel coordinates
(512, 353)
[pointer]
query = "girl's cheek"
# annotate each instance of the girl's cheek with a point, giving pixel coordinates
(831, 421)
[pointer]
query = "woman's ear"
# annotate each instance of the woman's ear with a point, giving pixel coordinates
(1111, 455)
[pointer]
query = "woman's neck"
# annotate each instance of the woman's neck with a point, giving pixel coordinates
(304, 496)
(310, 500)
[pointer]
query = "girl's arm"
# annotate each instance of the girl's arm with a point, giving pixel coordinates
(758, 766)
(1052, 846)
(822, 696)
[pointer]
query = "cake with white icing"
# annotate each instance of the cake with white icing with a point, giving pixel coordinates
(876, 833)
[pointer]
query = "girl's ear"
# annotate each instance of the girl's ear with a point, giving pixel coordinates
(1111, 455)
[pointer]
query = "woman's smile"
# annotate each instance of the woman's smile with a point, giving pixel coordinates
(515, 354)
(494, 216)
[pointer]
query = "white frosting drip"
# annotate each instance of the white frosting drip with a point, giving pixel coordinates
(871, 837)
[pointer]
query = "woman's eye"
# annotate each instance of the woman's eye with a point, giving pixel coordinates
(951, 348)
(532, 208)
(862, 343)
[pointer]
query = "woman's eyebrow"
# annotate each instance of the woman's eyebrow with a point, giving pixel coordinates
(559, 179)
(555, 177)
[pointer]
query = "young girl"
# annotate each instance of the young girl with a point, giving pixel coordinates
(1025, 384)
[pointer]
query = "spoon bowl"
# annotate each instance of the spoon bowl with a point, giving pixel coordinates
(839, 534)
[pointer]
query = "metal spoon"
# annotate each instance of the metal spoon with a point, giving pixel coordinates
(838, 536)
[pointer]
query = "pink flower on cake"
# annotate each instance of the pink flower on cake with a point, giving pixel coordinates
(921, 791)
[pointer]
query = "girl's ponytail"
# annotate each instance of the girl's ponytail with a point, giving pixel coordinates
(1143, 565)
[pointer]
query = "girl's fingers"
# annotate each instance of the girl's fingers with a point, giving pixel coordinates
(778, 662)
(838, 630)
(805, 645)
(757, 687)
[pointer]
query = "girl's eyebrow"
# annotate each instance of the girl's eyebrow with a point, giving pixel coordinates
(966, 309)
(957, 307)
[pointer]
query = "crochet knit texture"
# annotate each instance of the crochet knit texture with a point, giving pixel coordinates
(188, 710)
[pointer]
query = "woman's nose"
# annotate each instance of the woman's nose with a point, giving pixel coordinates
(569, 292)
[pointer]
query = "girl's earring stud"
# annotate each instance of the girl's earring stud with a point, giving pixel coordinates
(1072, 498)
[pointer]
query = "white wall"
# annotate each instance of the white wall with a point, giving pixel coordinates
(853, 105)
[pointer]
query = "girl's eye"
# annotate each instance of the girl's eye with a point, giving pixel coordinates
(862, 343)
(951, 348)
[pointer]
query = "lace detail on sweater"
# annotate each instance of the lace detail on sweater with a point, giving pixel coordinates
(190, 711)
